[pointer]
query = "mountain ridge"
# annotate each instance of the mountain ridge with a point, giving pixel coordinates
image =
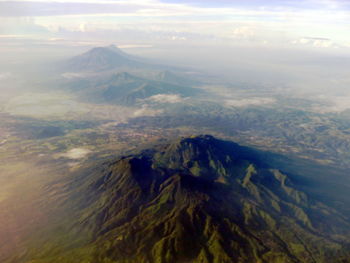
(128, 89)
(197, 199)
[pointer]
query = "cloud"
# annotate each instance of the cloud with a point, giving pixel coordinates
(256, 21)
(333, 103)
(37, 8)
(249, 102)
(243, 32)
(20, 27)
(146, 111)
(74, 75)
(166, 98)
(317, 42)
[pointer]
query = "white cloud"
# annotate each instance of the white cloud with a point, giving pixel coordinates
(86, 1)
(73, 75)
(249, 102)
(275, 24)
(315, 42)
(166, 98)
(243, 32)
(146, 111)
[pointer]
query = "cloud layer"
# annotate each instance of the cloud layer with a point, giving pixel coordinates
(302, 23)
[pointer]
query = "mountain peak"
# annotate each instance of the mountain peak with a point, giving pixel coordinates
(202, 138)
(201, 155)
(201, 179)
(102, 58)
(107, 50)
(196, 144)
(113, 47)
(203, 143)
(197, 200)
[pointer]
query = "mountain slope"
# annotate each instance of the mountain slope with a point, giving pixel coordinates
(198, 199)
(171, 77)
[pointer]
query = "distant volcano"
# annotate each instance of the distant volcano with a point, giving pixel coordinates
(101, 59)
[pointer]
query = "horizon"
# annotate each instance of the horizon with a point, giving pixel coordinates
(308, 24)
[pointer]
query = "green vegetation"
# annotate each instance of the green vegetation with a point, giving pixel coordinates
(167, 204)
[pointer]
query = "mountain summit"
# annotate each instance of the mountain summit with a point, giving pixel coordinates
(101, 59)
(197, 199)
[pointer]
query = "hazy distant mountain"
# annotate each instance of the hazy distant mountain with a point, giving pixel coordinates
(197, 199)
(125, 88)
(109, 75)
(171, 77)
(101, 59)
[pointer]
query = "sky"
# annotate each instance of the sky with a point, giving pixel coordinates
(314, 24)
